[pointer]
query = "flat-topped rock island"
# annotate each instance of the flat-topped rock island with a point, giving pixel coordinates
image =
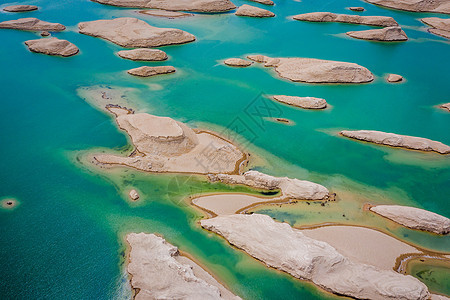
(210, 6)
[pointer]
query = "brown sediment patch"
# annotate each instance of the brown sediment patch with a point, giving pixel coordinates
(402, 262)
(9, 203)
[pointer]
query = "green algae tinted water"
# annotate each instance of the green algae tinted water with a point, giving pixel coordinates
(65, 239)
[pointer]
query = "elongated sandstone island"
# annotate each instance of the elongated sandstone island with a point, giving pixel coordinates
(397, 140)
(302, 102)
(439, 26)
(183, 5)
(31, 24)
(342, 18)
(146, 71)
(158, 271)
(165, 145)
(237, 62)
(387, 34)
(280, 246)
(132, 32)
(20, 8)
(313, 70)
(143, 54)
(414, 218)
(52, 46)
(436, 6)
(165, 13)
(253, 11)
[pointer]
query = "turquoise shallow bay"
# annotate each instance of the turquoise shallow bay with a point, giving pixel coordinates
(64, 240)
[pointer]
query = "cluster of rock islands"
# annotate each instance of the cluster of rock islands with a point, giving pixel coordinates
(161, 144)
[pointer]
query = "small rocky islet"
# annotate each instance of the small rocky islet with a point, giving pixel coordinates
(52, 46)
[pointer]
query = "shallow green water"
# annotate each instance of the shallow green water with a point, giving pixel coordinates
(65, 238)
(433, 273)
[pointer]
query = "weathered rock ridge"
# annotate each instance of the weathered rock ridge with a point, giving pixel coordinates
(387, 34)
(414, 218)
(341, 18)
(436, 6)
(31, 24)
(439, 26)
(253, 11)
(52, 46)
(132, 32)
(146, 71)
(143, 54)
(280, 246)
(302, 102)
(183, 5)
(20, 8)
(237, 62)
(397, 140)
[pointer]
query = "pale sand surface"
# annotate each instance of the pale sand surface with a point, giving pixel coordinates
(227, 204)
(361, 244)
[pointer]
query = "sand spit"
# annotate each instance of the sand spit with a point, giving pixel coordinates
(159, 272)
(313, 70)
(436, 6)
(439, 26)
(253, 11)
(210, 6)
(280, 246)
(397, 140)
(20, 8)
(266, 2)
(132, 32)
(387, 34)
(302, 102)
(146, 71)
(165, 13)
(363, 245)
(52, 46)
(414, 218)
(445, 106)
(394, 78)
(237, 62)
(165, 145)
(291, 188)
(340, 18)
(143, 54)
(31, 24)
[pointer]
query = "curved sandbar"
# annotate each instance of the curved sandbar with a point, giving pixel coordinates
(184, 5)
(158, 271)
(52, 46)
(397, 140)
(302, 102)
(20, 8)
(280, 246)
(146, 71)
(439, 26)
(31, 24)
(313, 70)
(352, 19)
(165, 145)
(436, 6)
(143, 54)
(132, 32)
(291, 188)
(237, 62)
(414, 218)
(387, 34)
(253, 11)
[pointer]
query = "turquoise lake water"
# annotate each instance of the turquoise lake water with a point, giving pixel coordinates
(65, 239)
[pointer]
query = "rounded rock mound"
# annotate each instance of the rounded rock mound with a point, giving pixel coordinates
(253, 11)
(20, 8)
(52, 46)
(143, 54)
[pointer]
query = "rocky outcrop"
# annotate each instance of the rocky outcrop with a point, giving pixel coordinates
(52, 46)
(266, 2)
(146, 71)
(132, 32)
(253, 11)
(353, 19)
(394, 78)
(397, 140)
(134, 195)
(165, 145)
(45, 33)
(183, 5)
(414, 218)
(31, 24)
(158, 271)
(280, 246)
(293, 189)
(436, 6)
(165, 13)
(439, 26)
(445, 106)
(143, 54)
(387, 34)
(302, 102)
(313, 70)
(20, 8)
(237, 62)
(356, 8)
